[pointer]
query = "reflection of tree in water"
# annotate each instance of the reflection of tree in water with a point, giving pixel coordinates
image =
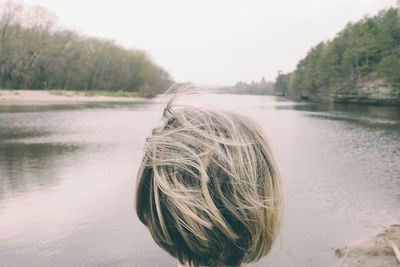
(76, 106)
(386, 112)
(14, 133)
(24, 167)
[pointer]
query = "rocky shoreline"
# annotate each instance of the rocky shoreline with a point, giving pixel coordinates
(377, 252)
(375, 92)
(355, 99)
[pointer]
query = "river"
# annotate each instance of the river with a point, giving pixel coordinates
(67, 179)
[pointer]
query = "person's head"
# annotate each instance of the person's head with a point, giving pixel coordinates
(208, 188)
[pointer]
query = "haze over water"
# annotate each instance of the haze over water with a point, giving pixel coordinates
(68, 173)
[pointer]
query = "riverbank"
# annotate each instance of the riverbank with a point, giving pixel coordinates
(373, 253)
(42, 97)
(354, 99)
(374, 91)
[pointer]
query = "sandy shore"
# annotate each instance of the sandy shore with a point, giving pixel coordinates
(373, 253)
(42, 97)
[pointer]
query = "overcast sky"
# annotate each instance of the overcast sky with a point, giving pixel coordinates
(215, 42)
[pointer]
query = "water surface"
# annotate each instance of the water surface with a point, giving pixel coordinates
(67, 179)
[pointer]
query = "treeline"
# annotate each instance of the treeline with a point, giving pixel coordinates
(364, 51)
(35, 53)
(253, 88)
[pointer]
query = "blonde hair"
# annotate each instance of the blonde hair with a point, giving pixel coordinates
(208, 188)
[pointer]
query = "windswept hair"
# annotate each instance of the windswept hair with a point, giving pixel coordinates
(208, 188)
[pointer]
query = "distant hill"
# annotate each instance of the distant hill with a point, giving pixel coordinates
(254, 88)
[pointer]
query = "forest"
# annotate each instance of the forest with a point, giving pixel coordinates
(262, 87)
(362, 59)
(37, 53)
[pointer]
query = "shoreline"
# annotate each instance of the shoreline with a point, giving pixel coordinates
(58, 97)
(373, 253)
(361, 100)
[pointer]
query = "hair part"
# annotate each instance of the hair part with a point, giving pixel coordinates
(208, 187)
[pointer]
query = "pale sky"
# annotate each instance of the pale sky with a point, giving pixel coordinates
(215, 42)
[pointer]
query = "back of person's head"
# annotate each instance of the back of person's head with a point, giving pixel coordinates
(208, 188)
